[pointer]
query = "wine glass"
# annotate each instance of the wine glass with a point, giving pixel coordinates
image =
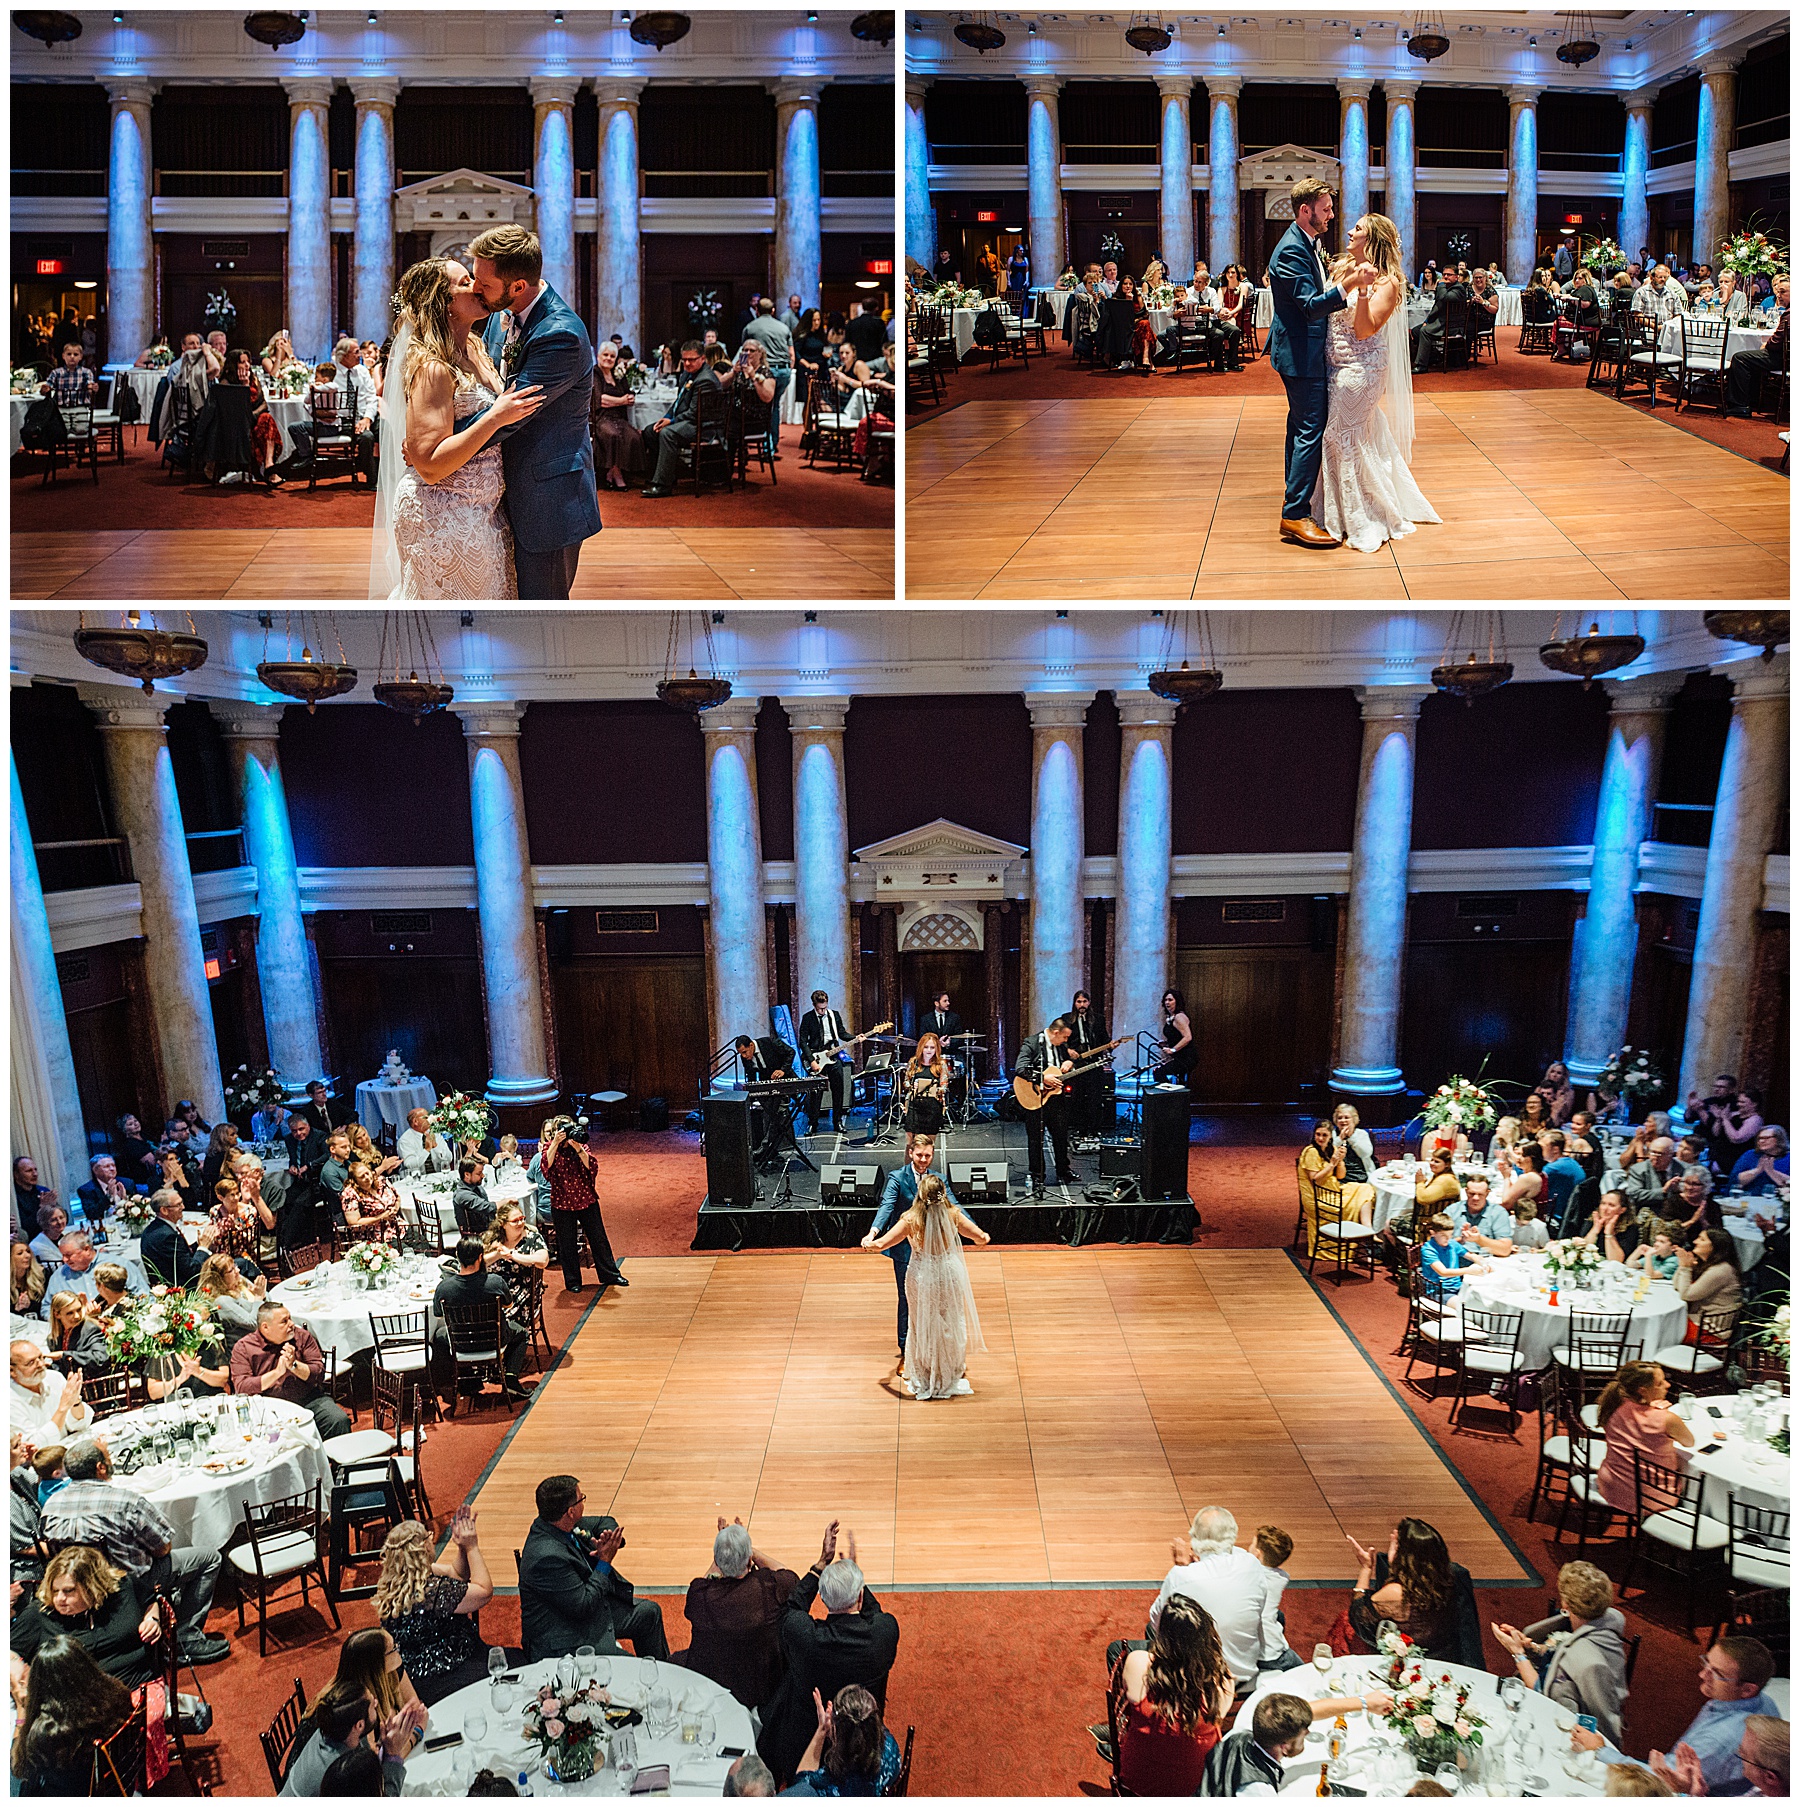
(625, 1757)
(1322, 1658)
(496, 1662)
(1512, 1697)
(1449, 1778)
(709, 1733)
(475, 1728)
(584, 1664)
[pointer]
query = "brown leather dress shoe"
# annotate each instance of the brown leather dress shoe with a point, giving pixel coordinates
(1306, 532)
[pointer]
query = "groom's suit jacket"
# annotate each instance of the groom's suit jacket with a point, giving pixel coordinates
(897, 1198)
(1303, 306)
(549, 458)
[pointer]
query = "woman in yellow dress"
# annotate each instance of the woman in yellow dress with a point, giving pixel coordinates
(1321, 1165)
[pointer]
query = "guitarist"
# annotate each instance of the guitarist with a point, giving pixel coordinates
(1046, 1054)
(1088, 1090)
(822, 1032)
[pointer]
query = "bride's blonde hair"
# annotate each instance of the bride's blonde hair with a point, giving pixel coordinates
(424, 298)
(932, 1196)
(1382, 237)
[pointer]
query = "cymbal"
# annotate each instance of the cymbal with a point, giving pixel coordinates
(966, 1035)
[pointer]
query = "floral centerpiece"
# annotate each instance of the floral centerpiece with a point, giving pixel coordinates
(1068, 280)
(1777, 1334)
(371, 1261)
(289, 382)
(1434, 1718)
(1603, 255)
(221, 312)
(1571, 1263)
(159, 357)
(567, 1727)
(1632, 1076)
(952, 294)
(250, 1090)
(461, 1118)
(26, 381)
(1400, 1650)
(162, 1321)
(1460, 1104)
(1159, 295)
(1751, 253)
(134, 1214)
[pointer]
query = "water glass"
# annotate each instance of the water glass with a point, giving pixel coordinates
(709, 1733)
(1449, 1778)
(475, 1728)
(584, 1664)
(625, 1757)
(603, 1671)
(496, 1662)
(659, 1713)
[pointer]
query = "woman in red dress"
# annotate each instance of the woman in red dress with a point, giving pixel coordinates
(1177, 1693)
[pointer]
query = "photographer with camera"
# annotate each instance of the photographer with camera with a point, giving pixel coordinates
(575, 1202)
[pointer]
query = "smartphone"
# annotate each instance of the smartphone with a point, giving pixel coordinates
(512, 1677)
(443, 1741)
(1709, 1449)
(732, 1750)
(1713, 1411)
(652, 1780)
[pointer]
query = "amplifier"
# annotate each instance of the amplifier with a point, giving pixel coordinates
(978, 1182)
(848, 1185)
(1121, 1160)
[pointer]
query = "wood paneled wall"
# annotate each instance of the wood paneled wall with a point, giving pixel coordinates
(633, 1023)
(113, 1041)
(1262, 1020)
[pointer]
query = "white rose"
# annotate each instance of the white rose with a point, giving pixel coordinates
(1424, 1725)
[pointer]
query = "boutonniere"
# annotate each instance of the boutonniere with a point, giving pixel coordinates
(512, 358)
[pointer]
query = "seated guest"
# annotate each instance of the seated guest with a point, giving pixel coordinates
(1693, 1206)
(1527, 1181)
(105, 1191)
(1734, 1677)
(237, 1229)
(569, 1592)
(506, 1158)
(851, 1753)
(474, 1209)
(370, 1205)
(1176, 1694)
(1443, 1261)
(1232, 1587)
(1128, 331)
(362, 1148)
(29, 1279)
(515, 1251)
(111, 1290)
(1763, 1755)
(1322, 1166)
(1435, 1189)
(282, 1360)
(278, 354)
(1352, 1140)
(736, 1609)
(1534, 1117)
(362, 404)
(1484, 301)
(110, 1614)
(135, 1536)
(1504, 1141)
(1660, 1256)
(71, 384)
(1082, 317)
(75, 1271)
(428, 1607)
(1632, 1415)
(855, 1642)
(1745, 373)
(168, 1258)
(422, 1149)
(1661, 296)
(1577, 1658)
(679, 428)
(472, 1284)
(1708, 1276)
(76, 1341)
(46, 1407)
(1418, 1587)
(343, 1718)
(749, 1776)
(1728, 298)
(1483, 1222)
(28, 1194)
(1563, 1176)
(1278, 1730)
(1613, 1232)
(1558, 1093)
(1655, 1123)
(68, 1708)
(136, 1156)
(270, 1123)
(1652, 1183)
(53, 1220)
(1763, 1168)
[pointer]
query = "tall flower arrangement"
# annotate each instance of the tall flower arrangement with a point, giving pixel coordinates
(159, 1322)
(249, 1089)
(1603, 255)
(1633, 1075)
(1460, 1103)
(461, 1117)
(1752, 253)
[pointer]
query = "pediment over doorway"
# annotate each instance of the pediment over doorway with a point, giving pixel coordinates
(939, 873)
(465, 198)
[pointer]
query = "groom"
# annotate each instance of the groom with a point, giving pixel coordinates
(1304, 299)
(534, 336)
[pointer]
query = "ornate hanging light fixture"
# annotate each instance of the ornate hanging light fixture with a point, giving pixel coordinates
(140, 653)
(1767, 628)
(980, 35)
(1468, 674)
(1149, 37)
(50, 29)
(1593, 654)
(275, 29)
(659, 30)
(692, 694)
(873, 28)
(414, 646)
(1581, 43)
(1429, 40)
(307, 678)
(1186, 683)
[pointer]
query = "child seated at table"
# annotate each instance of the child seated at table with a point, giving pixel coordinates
(1659, 1255)
(1272, 1547)
(1527, 1232)
(1444, 1261)
(506, 1160)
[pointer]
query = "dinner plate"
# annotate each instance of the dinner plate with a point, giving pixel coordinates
(222, 1465)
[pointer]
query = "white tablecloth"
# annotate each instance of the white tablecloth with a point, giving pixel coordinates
(1737, 338)
(1545, 1746)
(1744, 1232)
(505, 1749)
(1744, 1463)
(143, 381)
(207, 1509)
(650, 405)
(515, 1188)
(328, 1302)
(1518, 1283)
(1394, 1195)
(377, 1102)
(30, 1330)
(289, 412)
(1512, 311)
(16, 421)
(962, 330)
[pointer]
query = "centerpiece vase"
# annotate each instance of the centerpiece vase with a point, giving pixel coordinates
(574, 1761)
(1439, 1748)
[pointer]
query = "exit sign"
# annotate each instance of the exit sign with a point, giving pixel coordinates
(987, 216)
(1572, 219)
(879, 266)
(49, 266)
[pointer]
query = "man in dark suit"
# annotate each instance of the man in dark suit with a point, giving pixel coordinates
(471, 1284)
(105, 1190)
(307, 1154)
(821, 1030)
(1086, 1033)
(856, 1642)
(1042, 1053)
(681, 426)
(896, 1200)
(1431, 328)
(764, 1058)
(319, 1112)
(569, 1592)
(474, 1209)
(164, 1251)
(940, 1020)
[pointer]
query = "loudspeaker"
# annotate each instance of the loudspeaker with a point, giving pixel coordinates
(1165, 1142)
(1121, 1160)
(978, 1182)
(846, 1185)
(725, 1125)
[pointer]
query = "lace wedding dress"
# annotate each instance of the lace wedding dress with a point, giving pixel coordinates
(452, 539)
(1366, 495)
(940, 1303)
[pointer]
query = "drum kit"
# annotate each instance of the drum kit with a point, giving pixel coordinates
(961, 1101)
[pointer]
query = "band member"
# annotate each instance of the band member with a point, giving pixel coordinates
(1087, 1092)
(926, 1083)
(763, 1059)
(1045, 1054)
(940, 1019)
(822, 1031)
(1176, 1061)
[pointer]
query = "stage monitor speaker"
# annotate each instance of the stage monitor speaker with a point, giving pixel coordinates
(725, 1124)
(978, 1182)
(846, 1185)
(1121, 1160)
(1165, 1142)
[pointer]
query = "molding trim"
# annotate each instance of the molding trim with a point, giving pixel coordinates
(93, 917)
(387, 888)
(565, 887)
(219, 896)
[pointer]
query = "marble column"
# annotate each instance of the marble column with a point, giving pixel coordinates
(921, 216)
(797, 188)
(1176, 215)
(509, 962)
(148, 813)
(1353, 152)
(1746, 813)
(1375, 927)
(1057, 843)
(1634, 206)
(1400, 161)
(1606, 936)
(1712, 157)
(822, 950)
(1140, 958)
(372, 256)
(1521, 185)
(252, 734)
(130, 238)
(618, 287)
(553, 177)
(1043, 177)
(309, 219)
(46, 1120)
(1222, 152)
(734, 870)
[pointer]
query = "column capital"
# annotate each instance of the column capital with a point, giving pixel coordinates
(1641, 100)
(490, 721)
(309, 91)
(1176, 82)
(246, 721)
(1042, 84)
(1719, 63)
(737, 716)
(1523, 94)
(918, 86)
(1396, 89)
(1223, 87)
(133, 91)
(1354, 87)
(1392, 702)
(375, 91)
(619, 90)
(125, 709)
(796, 90)
(1144, 709)
(554, 90)
(816, 714)
(1058, 708)
(1756, 680)
(1650, 694)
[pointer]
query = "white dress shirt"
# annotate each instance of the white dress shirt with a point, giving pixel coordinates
(359, 386)
(34, 1413)
(415, 1157)
(1665, 306)
(1234, 1589)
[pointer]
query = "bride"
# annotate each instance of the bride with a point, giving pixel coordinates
(441, 533)
(941, 1318)
(1366, 495)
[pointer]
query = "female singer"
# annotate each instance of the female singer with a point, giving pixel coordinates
(926, 1081)
(1178, 1055)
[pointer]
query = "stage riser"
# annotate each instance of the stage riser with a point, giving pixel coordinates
(818, 1227)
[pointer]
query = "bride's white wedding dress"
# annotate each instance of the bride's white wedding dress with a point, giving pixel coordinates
(941, 1317)
(1366, 495)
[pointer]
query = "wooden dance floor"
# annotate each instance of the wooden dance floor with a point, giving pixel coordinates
(1121, 1390)
(1544, 492)
(331, 564)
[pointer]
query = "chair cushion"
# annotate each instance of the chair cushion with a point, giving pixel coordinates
(1448, 1329)
(1493, 1361)
(1760, 1570)
(405, 1360)
(357, 1446)
(1671, 1528)
(1349, 1230)
(474, 1357)
(1688, 1359)
(1555, 1451)
(286, 1553)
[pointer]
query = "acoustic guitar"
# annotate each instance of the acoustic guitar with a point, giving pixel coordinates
(1033, 1097)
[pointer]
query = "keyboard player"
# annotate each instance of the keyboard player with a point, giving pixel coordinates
(764, 1058)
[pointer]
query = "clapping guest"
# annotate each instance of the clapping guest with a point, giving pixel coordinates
(362, 1147)
(1232, 1587)
(136, 1156)
(428, 1606)
(570, 1593)
(422, 1149)
(735, 1610)
(1708, 1277)
(76, 1341)
(1577, 1658)
(278, 353)
(852, 1752)
(29, 1277)
(1557, 1092)
(1694, 1205)
(168, 1257)
(1417, 1586)
(1764, 1168)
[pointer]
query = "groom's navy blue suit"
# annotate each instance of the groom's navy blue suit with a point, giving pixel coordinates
(896, 1200)
(1303, 306)
(548, 457)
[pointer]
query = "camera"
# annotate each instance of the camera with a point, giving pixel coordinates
(574, 1127)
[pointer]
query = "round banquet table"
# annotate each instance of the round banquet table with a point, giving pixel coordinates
(1546, 1748)
(288, 412)
(377, 1102)
(1738, 1213)
(30, 1330)
(1393, 1182)
(650, 405)
(1517, 1283)
(516, 1188)
(328, 1302)
(126, 1249)
(962, 330)
(1511, 307)
(506, 1749)
(1418, 310)
(207, 1509)
(143, 381)
(1744, 1464)
(1738, 337)
(16, 417)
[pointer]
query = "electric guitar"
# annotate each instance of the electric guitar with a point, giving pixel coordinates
(841, 1050)
(1033, 1097)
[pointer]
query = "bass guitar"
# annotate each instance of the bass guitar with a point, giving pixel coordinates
(841, 1050)
(1033, 1097)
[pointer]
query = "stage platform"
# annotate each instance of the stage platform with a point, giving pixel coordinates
(790, 1214)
